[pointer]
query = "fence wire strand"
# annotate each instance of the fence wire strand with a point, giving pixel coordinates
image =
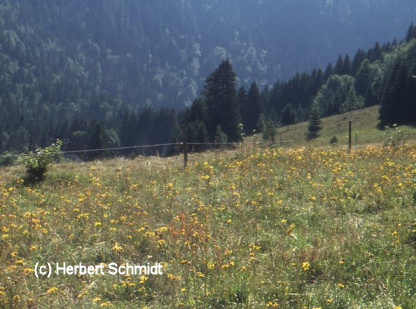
(81, 151)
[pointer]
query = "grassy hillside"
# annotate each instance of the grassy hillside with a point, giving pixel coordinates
(296, 227)
(364, 130)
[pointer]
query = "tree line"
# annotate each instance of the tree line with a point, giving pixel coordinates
(384, 74)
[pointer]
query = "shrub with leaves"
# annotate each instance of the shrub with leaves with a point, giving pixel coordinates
(394, 137)
(37, 162)
(7, 158)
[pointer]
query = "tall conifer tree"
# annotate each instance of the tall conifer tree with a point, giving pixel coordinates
(314, 125)
(220, 96)
(254, 109)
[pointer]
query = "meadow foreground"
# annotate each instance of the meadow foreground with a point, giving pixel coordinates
(285, 228)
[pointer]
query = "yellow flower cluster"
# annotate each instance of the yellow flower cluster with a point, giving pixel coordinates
(253, 229)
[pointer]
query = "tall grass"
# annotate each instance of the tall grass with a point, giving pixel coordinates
(287, 228)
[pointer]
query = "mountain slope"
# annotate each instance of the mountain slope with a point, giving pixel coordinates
(161, 51)
(64, 63)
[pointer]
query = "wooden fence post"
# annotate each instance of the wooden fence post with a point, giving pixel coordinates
(349, 136)
(185, 147)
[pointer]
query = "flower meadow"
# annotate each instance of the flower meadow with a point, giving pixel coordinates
(264, 228)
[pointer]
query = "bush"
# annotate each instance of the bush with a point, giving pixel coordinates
(394, 137)
(37, 162)
(334, 140)
(7, 158)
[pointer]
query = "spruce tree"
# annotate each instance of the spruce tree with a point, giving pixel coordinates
(242, 103)
(339, 66)
(357, 61)
(395, 94)
(347, 66)
(317, 81)
(288, 115)
(220, 95)
(314, 125)
(254, 109)
(265, 97)
(375, 53)
(329, 71)
(412, 96)
(145, 126)
(198, 112)
(196, 121)
(97, 140)
(411, 33)
(97, 136)
(127, 129)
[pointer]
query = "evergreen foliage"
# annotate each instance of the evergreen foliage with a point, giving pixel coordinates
(220, 138)
(253, 109)
(288, 115)
(66, 78)
(339, 66)
(195, 119)
(411, 33)
(314, 125)
(333, 140)
(395, 95)
(220, 97)
(359, 58)
(399, 87)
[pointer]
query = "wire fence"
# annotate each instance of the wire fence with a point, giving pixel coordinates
(119, 148)
(278, 141)
(115, 149)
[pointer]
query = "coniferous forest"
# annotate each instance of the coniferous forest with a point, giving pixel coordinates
(299, 118)
(106, 74)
